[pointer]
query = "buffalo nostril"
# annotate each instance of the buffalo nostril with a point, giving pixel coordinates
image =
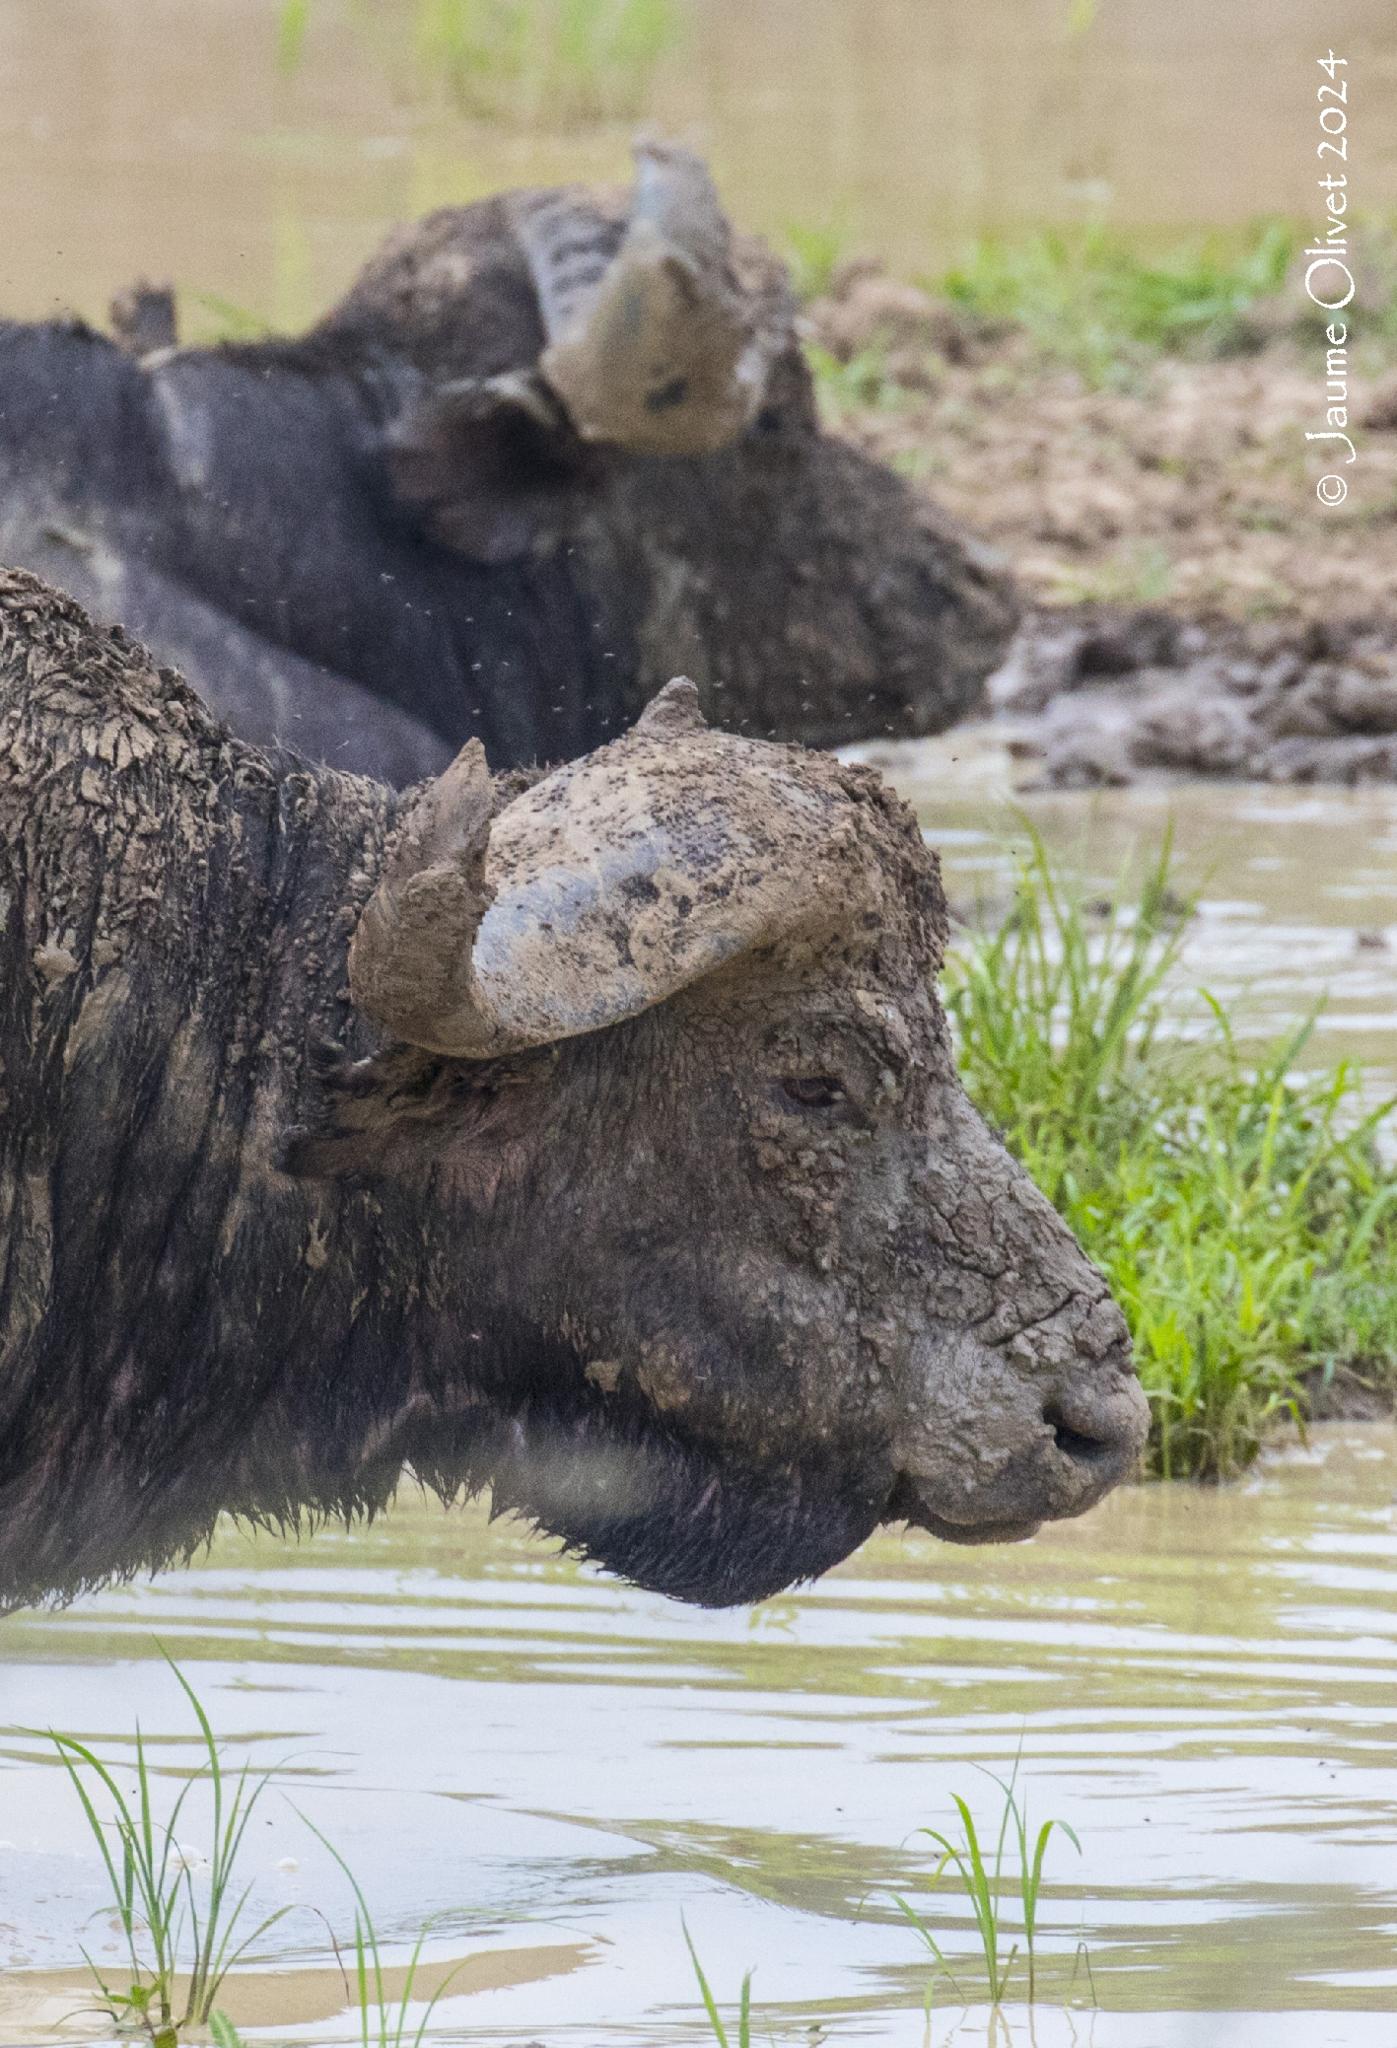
(1077, 1443)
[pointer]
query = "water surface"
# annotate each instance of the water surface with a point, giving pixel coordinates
(1203, 1683)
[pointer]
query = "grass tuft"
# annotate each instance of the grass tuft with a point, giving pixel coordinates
(225, 320)
(863, 384)
(814, 251)
(293, 23)
(1239, 1208)
(384, 2022)
(172, 1925)
(989, 1882)
(182, 1936)
(565, 61)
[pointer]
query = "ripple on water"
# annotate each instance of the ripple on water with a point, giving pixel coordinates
(1204, 1683)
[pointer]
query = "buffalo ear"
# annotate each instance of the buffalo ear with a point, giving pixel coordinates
(394, 1110)
(488, 466)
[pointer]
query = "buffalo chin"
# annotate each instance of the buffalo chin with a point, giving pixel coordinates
(971, 1532)
(626, 1493)
(908, 1506)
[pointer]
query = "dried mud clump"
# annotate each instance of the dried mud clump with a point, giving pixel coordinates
(1109, 696)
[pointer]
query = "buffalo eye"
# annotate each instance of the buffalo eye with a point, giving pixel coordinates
(814, 1091)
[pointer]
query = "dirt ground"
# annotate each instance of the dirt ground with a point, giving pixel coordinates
(1194, 607)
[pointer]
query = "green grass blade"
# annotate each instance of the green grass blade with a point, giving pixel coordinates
(709, 2003)
(365, 1939)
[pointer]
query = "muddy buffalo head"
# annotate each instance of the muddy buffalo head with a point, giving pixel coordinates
(667, 1031)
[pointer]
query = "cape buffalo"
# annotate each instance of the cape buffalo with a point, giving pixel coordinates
(550, 449)
(594, 1137)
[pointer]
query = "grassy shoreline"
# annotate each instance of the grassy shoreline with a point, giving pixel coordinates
(1239, 1208)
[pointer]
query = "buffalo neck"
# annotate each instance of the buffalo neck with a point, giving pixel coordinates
(183, 1327)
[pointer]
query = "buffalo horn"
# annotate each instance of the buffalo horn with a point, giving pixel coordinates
(601, 890)
(649, 347)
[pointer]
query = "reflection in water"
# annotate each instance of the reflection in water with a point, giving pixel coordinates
(43, 2002)
(1204, 1684)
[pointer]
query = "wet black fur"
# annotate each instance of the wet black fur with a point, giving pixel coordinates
(187, 1327)
(271, 550)
(296, 526)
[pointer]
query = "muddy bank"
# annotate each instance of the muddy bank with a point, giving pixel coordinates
(1110, 694)
(1346, 1395)
(1194, 609)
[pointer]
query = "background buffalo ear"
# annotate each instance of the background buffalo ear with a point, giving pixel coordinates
(488, 466)
(399, 1108)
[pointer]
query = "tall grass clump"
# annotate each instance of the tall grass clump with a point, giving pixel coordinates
(1092, 298)
(181, 1928)
(564, 61)
(183, 1917)
(1238, 1206)
(992, 1881)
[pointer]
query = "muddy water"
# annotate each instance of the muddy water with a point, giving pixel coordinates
(158, 135)
(1203, 1684)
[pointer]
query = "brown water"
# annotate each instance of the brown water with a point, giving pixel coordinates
(158, 135)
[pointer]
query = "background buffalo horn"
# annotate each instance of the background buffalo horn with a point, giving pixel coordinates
(605, 888)
(649, 346)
